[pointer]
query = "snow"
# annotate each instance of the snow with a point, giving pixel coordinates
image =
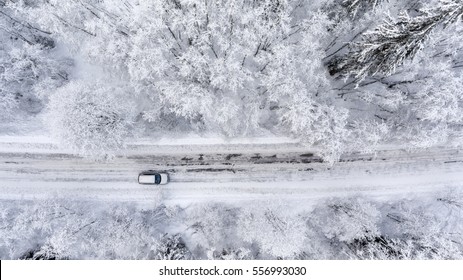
(32, 139)
(264, 111)
(194, 139)
(147, 146)
(266, 173)
(288, 193)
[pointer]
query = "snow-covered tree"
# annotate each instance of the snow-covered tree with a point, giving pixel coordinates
(235, 57)
(347, 220)
(232, 66)
(239, 67)
(92, 118)
(172, 248)
(66, 229)
(39, 229)
(229, 254)
(404, 75)
(422, 234)
(320, 125)
(273, 228)
(209, 223)
(7, 104)
(354, 6)
(383, 49)
(29, 66)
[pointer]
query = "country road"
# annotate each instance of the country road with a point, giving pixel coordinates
(220, 173)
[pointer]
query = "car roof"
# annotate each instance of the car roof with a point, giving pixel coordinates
(151, 172)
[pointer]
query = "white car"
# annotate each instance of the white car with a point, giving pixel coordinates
(153, 178)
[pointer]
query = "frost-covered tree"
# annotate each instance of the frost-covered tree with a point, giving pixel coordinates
(125, 232)
(404, 76)
(320, 125)
(354, 6)
(229, 254)
(29, 67)
(20, 29)
(39, 229)
(238, 67)
(172, 248)
(435, 108)
(420, 227)
(92, 118)
(347, 220)
(238, 57)
(229, 66)
(209, 223)
(383, 49)
(420, 105)
(422, 234)
(277, 231)
(58, 229)
(357, 228)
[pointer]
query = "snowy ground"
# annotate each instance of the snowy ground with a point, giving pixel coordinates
(216, 170)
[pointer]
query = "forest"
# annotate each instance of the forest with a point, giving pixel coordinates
(341, 77)
(338, 75)
(337, 228)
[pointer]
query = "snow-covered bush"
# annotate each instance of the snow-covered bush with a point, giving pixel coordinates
(91, 118)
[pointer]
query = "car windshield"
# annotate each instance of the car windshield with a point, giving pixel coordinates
(157, 178)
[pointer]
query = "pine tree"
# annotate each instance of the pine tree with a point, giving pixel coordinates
(383, 49)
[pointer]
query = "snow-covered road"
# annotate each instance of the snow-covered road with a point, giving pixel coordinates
(231, 173)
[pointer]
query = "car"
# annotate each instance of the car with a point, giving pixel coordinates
(153, 178)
